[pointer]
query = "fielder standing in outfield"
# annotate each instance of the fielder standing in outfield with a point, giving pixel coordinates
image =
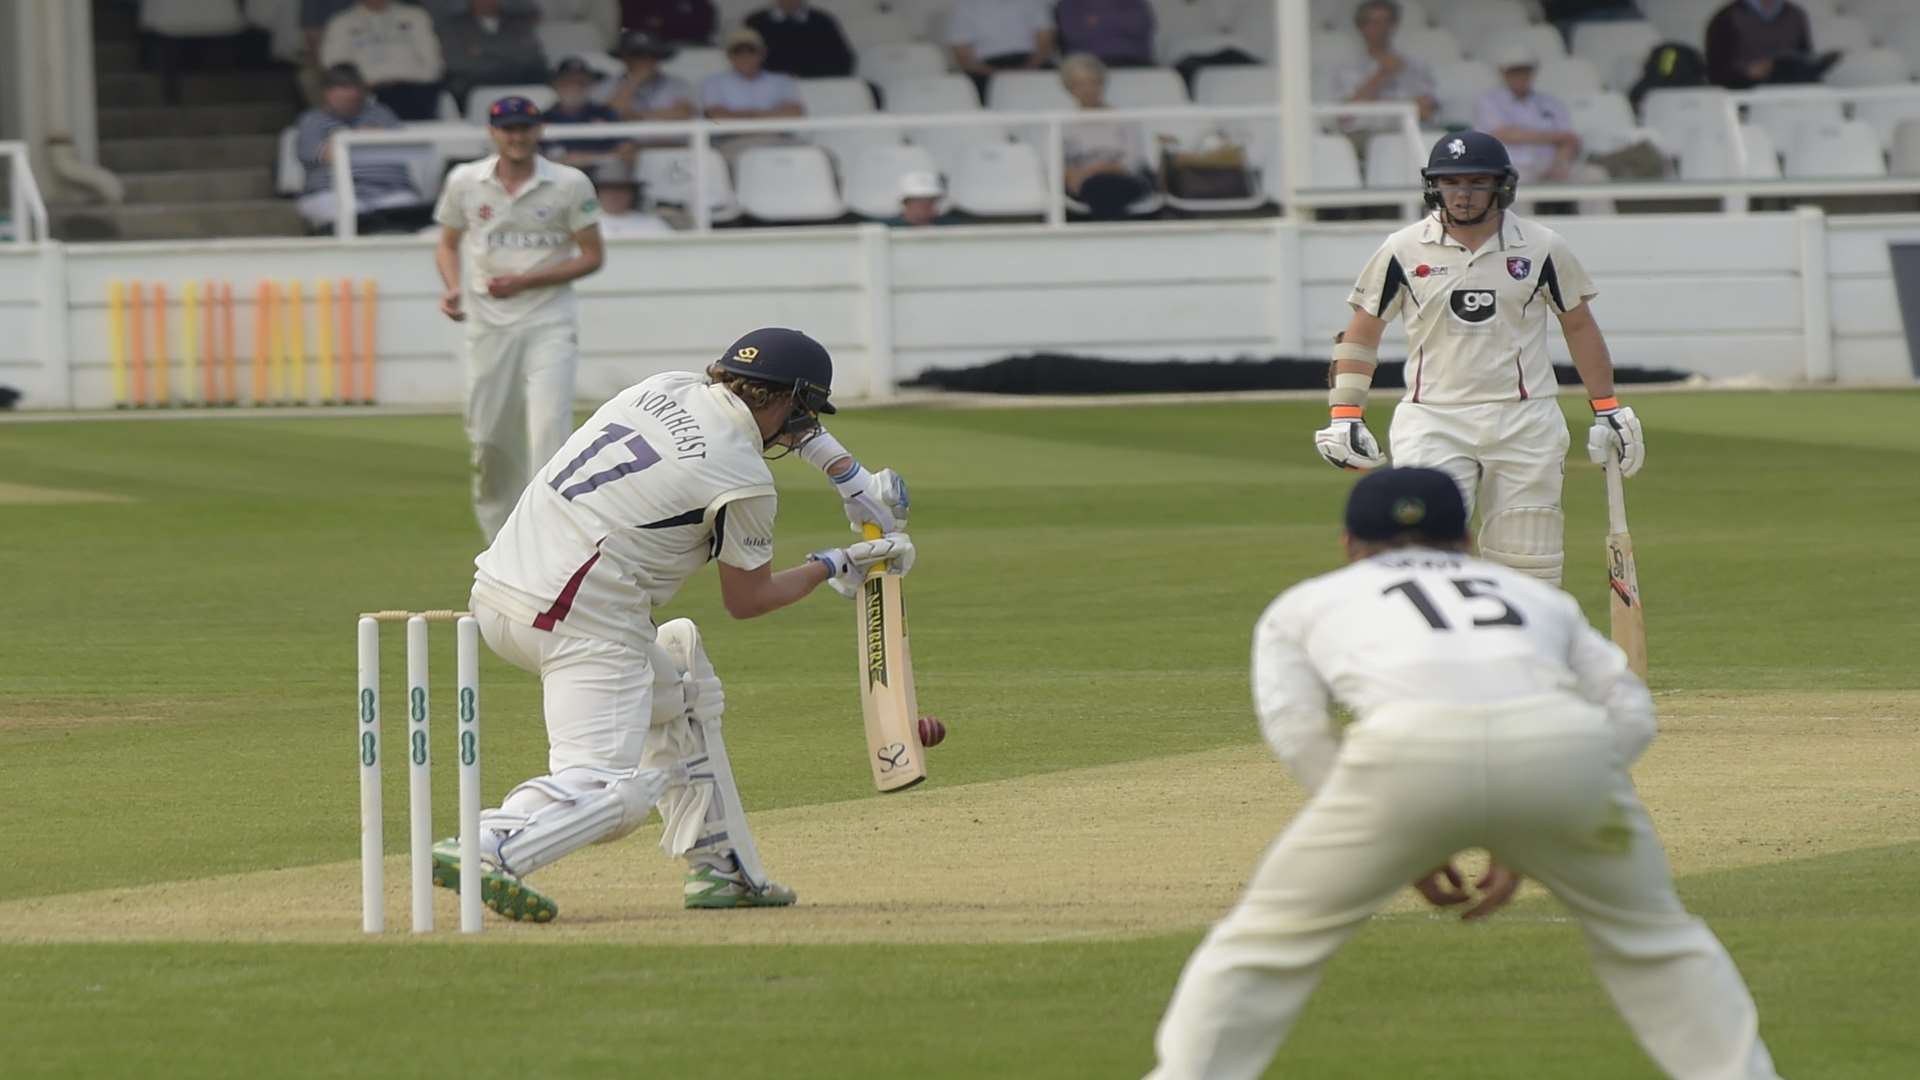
(515, 231)
(667, 476)
(1486, 713)
(1474, 283)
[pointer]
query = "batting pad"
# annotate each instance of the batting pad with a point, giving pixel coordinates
(1530, 539)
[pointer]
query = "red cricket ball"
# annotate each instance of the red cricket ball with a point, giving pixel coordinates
(932, 731)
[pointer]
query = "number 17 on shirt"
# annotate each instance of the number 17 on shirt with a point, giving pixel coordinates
(892, 716)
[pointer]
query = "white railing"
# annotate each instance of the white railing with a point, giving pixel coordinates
(460, 140)
(27, 210)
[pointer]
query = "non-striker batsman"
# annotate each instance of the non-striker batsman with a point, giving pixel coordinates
(1474, 284)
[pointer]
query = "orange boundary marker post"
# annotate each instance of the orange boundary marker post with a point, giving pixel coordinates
(297, 341)
(345, 340)
(370, 299)
(209, 343)
(323, 339)
(138, 323)
(117, 340)
(262, 341)
(230, 392)
(189, 338)
(282, 354)
(162, 378)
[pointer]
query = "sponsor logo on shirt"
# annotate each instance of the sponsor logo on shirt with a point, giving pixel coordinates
(1474, 307)
(528, 239)
(1519, 267)
(765, 542)
(486, 212)
(1423, 270)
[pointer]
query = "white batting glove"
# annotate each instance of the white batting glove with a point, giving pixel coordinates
(1616, 430)
(1347, 444)
(847, 567)
(878, 499)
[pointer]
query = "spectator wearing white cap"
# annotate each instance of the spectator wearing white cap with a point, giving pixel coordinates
(920, 195)
(1536, 128)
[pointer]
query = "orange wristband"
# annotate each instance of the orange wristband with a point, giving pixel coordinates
(1602, 404)
(1347, 412)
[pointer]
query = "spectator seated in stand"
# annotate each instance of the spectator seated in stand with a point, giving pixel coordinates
(1750, 42)
(620, 216)
(394, 47)
(1118, 32)
(383, 191)
(802, 40)
(920, 195)
(645, 92)
(573, 83)
(1106, 161)
(1536, 127)
(676, 22)
(749, 92)
(602, 15)
(485, 46)
(986, 36)
(1383, 74)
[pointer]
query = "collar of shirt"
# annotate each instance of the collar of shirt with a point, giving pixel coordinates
(543, 173)
(1760, 8)
(1510, 234)
(738, 412)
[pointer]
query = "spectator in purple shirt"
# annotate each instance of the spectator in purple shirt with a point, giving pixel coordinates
(1119, 32)
(1536, 127)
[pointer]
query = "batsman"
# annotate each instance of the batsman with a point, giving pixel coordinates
(1473, 283)
(667, 476)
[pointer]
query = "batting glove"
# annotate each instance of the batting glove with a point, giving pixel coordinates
(847, 567)
(1347, 444)
(1616, 430)
(875, 498)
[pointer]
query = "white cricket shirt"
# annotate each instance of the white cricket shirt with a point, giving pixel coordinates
(665, 477)
(512, 234)
(1424, 627)
(1476, 321)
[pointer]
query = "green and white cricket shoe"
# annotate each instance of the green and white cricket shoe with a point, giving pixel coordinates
(709, 887)
(499, 890)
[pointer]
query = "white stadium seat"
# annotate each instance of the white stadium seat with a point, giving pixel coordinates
(1618, 49)
(1391, 163)
(1785, 112)
(1567, 77)
(1683, 21)
(1330, 52)
(1236, 84)
(873, 28)
(1147, 88)
(481, 98)
(1882, 17)
(1459, 85)
(1885, 112)
(666, 177)
(836, 97)
(788, 184)
(1481, 20)
(873, 180)
(560, 40)
(1869, 67)
(931, 94)
(1711, 159)
(192, 18)
(889, 63)
(1906, 149)
(1188, 29)
(694, 65)
(1838, 33)
(1431, 45)
(1844, 150)
(1334, 163)
(1542, 41)
(999, 180)
(1604, 121)
(1677, 115)
(1819, 9)
(1027, 91)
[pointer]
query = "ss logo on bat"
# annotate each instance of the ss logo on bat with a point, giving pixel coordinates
(892, 756)
(1472, 306)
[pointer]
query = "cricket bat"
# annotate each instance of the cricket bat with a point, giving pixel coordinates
(1629, 619)
(886, 682)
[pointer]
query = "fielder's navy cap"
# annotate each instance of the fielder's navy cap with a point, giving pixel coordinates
(777, 355)
(1388, 504)
(513, 112)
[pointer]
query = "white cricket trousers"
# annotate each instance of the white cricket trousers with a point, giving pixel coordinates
(519, 409)
(1539, 785)
(1502, 454)
(598, 695)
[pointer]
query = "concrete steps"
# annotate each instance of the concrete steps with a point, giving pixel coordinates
(172, 154)
(148, 122)
(141, 89)
(200, 185)
(179, 221)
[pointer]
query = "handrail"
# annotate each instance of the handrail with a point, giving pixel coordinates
(27, 210)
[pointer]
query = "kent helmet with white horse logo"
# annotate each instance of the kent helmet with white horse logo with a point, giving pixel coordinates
(1473, 283)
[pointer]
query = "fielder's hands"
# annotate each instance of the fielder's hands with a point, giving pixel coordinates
(505, 286)
(1616, 430)
(882, 500)
(847, 567)
(1347, 444)
(1446, 887)
(450, 305)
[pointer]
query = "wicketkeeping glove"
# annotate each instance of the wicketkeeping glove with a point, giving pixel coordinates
(847, 567)
(1347, 444)
(877, 498)
(1616, 430)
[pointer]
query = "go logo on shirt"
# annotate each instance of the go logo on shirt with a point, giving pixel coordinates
(1474, 307)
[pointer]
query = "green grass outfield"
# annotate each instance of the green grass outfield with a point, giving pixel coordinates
(180, 893)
